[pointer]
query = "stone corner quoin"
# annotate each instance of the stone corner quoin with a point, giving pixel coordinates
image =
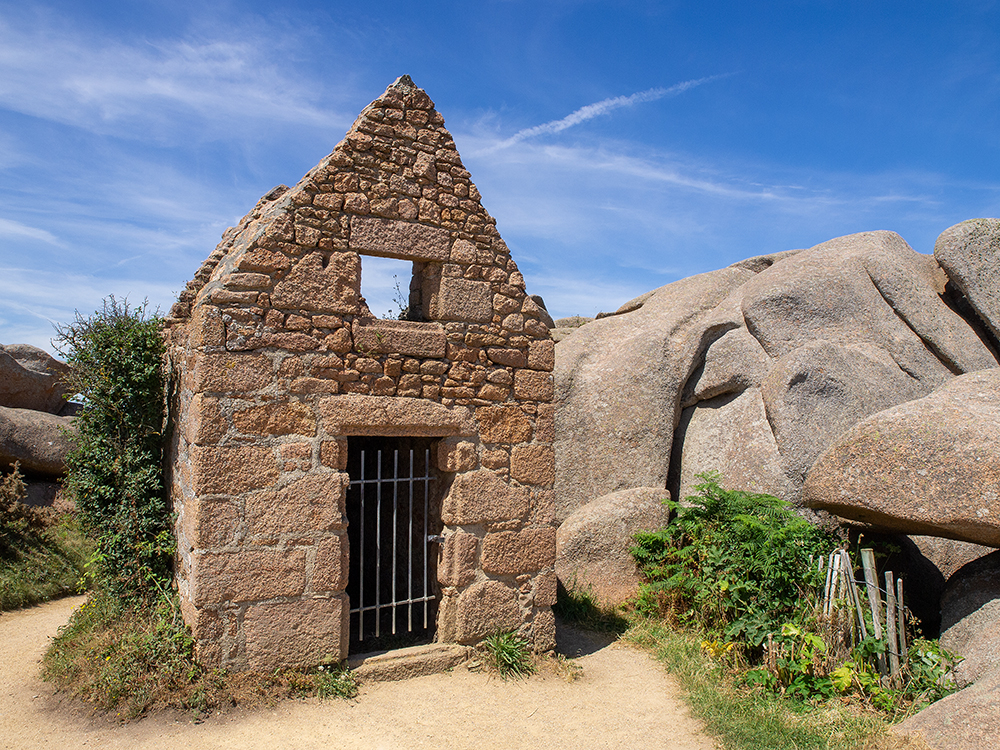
(278, 363)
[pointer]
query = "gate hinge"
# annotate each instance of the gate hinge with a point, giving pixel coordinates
(436, 538)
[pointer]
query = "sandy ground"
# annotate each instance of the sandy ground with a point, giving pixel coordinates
(621, 699)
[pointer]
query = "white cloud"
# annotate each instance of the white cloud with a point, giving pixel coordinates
(33, 301)
(18, 230)
(606, 106)
(596, 222)
(150, 88)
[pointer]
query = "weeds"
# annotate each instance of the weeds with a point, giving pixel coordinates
(128, 660)
(754, 719)
(42, 553)
(508, 655)
(737, 569)
(125, 659)
(334, 681)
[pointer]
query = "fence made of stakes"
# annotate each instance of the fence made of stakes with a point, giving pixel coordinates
(842, 596)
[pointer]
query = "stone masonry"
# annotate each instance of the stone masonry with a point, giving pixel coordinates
(277, 360)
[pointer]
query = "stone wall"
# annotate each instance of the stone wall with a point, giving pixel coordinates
(277, 360)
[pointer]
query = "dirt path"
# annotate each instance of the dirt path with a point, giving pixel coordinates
(622, 699)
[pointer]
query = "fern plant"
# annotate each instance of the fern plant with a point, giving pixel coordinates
(737, 564)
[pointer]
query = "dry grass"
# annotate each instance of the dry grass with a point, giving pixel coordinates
(893, 741)
(128, 661)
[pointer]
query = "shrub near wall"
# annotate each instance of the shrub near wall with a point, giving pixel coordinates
(115, 472)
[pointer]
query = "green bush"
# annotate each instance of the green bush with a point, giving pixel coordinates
(736, 564)
(740, 570)
(115, 469)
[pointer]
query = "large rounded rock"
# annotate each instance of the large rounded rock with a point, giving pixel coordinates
(36, 439)
(731, 435)
(817, 391)
(970, 618)
(929, 562)
(970, 254)
(31, 378)
(618, 384)
(732, 363)
(929, 466)
(593, 545)
(948, 555)
(828, 336)
(966, 720)
(868, 288)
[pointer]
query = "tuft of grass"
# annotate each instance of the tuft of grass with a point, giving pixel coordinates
(581, 608)
(751, 719)
(334, 681)
(508, 655)
(129, 659)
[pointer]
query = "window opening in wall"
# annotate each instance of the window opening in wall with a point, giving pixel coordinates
(393, 518)
(391, 287)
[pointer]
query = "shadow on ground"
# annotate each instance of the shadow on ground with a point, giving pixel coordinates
(573, 642)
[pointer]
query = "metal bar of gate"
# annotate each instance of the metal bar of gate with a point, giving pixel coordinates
(378, 546)
(361, 569)
(427, 493)
(395, 509)
(409, 554)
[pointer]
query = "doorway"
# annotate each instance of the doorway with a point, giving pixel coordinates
(393, 525)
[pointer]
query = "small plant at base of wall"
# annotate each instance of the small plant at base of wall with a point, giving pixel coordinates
(508, 655)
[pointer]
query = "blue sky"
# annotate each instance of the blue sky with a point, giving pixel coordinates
(620, 145)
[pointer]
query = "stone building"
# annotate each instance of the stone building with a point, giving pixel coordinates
(342, 482)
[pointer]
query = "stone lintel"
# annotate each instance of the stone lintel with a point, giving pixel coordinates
(415, 339)
(356, 414)
(390, 238)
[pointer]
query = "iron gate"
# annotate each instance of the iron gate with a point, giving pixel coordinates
(393, 524)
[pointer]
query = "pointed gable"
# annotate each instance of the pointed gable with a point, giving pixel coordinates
(394, 187)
